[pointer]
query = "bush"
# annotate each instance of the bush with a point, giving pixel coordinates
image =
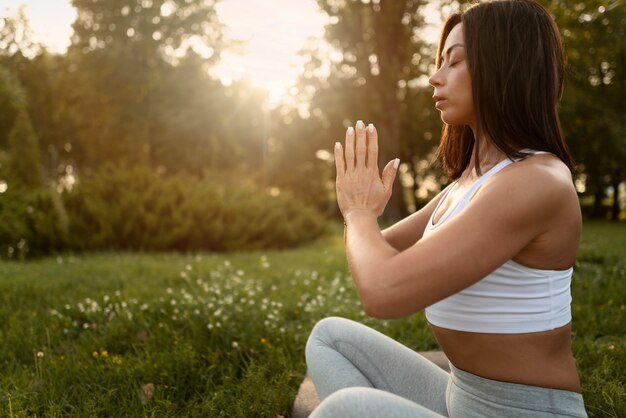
(135, 208)
(32, 223)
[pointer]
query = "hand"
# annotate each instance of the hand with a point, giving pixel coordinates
(359, 185)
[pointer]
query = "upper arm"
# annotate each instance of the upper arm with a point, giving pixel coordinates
(507, 213)
(403, 234)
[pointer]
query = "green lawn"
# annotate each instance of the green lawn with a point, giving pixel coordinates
(223, 335)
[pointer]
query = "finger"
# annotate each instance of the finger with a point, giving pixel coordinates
(361, 147)
(372, 147)
(389, 173)
(340, 164)
(349, 153)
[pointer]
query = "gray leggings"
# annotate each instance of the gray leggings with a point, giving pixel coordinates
(359, 372)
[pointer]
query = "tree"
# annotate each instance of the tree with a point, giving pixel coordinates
(593, 107)
(132, 63)
(24, 157)
(155, 29)
(21, 145)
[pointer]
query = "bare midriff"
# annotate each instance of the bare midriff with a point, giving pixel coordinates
(539, 359)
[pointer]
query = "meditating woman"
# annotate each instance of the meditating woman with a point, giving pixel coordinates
(490, 258)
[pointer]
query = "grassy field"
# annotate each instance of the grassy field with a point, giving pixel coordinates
(223, 335)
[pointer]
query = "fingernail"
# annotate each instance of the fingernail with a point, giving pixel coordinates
(396, 163)
(360, 124)
(337, 145)
(370, 128)
(350, 131)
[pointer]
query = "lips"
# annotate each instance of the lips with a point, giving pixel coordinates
(439, 101)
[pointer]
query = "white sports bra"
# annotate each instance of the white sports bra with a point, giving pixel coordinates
(513, 299)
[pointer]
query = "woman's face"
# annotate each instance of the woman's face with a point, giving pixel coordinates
(452, 82)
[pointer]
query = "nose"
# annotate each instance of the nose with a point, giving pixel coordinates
(435, 79)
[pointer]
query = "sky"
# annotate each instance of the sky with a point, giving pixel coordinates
(273, 31)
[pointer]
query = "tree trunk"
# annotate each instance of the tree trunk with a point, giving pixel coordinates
(615, 209)
(396, 208)
(598, 210)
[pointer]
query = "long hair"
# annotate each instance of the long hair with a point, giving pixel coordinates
(515, 60)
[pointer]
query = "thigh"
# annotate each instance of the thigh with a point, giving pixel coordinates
(362, 402)
(342, 353)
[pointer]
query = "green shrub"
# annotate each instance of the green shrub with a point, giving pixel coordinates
(31, 222)
(135, 208)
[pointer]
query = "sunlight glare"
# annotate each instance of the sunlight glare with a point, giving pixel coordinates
(272, 34)
(50, 21)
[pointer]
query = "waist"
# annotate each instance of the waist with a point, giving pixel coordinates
(542, 359)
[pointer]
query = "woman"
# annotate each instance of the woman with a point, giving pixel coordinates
(490, 258)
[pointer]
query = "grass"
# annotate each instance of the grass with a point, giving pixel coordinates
(121, 334)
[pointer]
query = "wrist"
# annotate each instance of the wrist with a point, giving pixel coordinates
(355, 215)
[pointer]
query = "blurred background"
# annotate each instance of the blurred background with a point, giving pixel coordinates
(205, 125)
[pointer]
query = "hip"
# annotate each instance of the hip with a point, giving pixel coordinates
(469, 395)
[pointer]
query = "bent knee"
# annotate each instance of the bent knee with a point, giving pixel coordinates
(323, 332)
(345, 402)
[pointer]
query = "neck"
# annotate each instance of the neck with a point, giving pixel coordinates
(488, 156)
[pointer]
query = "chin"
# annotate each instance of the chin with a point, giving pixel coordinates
(455, 120)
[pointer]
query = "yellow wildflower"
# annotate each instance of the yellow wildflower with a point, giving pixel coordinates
(117, 359)
(94, 354)
(104, 354)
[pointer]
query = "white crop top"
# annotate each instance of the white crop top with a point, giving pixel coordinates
(513, 299)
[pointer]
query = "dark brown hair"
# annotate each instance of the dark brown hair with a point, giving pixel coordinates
(515, 59)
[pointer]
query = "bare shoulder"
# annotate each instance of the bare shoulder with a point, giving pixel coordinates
(543, 178)
(546, 167)
(537, 190)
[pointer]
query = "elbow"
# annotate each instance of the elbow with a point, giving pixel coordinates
(380, 294)
(370, 307)
(375, 311)
(370, 294)
(377, 306)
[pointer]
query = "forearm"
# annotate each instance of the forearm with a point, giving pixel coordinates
(368, 253)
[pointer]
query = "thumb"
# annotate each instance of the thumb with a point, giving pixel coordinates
(389, 173)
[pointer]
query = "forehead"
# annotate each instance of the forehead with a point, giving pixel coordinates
(455, 37)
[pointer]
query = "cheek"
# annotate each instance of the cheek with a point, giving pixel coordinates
(460, 110)
(464, 84)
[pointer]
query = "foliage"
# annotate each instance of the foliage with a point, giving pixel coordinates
(593, 109)
(142, 97)
(135, 86)
(12, 102)
(24, 159)
(377, 62)
(167, 28)
(136, 208)
(224, 335)
(21, 144)
(32, 222)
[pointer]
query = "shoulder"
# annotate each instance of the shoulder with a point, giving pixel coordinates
(543, 174)
(536, 188)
